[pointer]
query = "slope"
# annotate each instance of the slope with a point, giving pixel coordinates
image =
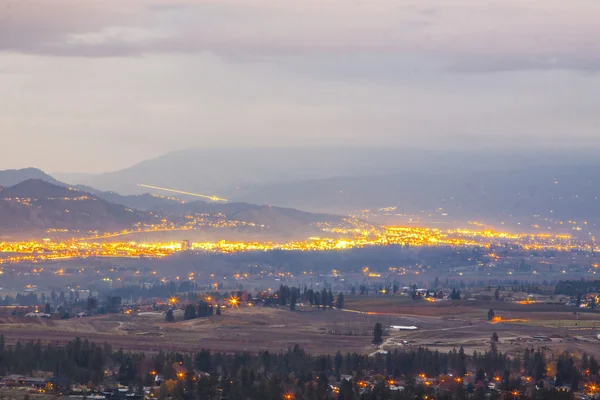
(214, 171)
(11, 177)
(35, 205)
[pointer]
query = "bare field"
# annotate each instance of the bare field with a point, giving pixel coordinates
(568, 328)
(442, 326)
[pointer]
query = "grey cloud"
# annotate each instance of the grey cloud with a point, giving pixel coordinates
(168, 6)
(113, 112)
(467, 34)
(507, 63)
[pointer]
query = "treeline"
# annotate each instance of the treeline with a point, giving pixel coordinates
(290, 296)
(32, 299)
(192, 311)
(206, 375)
(533, 288)
(79, 361)
(576, 288)
(265, 375)
(158, 290)
(365, 290)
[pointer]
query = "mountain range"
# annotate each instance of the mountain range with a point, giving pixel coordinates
(512, 187)
(12, 177)
(231, 172)
(569, 193)
(35, 205)
(494, 184)
(142, 202)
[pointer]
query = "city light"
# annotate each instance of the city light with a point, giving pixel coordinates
(47, 250)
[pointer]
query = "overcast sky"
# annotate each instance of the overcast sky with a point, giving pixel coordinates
(92, 86)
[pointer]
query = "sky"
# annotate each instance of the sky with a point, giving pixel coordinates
(94, 86)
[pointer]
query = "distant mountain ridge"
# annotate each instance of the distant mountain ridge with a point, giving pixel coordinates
(498, 185)
(567, 193)
(233, 209)
(543, 190)
(11, 177)
(35, 205)
(281, 219)
(221, 171)
(141, 202)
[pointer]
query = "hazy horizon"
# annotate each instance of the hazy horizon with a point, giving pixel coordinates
(519, 158)
(99, 87)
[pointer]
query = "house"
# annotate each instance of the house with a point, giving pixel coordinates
(563, 388)
(23, 381)
(11, 380)
(38, 383)
(37, 315)
(403, 328)
(58, 385)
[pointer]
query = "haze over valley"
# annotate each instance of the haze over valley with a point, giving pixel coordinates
(518, 190)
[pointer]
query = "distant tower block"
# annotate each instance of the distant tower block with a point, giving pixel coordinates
(185, 245)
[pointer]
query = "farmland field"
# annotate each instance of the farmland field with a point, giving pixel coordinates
(442, 326)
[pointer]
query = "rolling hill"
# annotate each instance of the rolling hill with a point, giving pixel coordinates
(229, 171)
(278, 219)
(11, 177)
(209, 171)
(35, 205)
(558, 193)
(142, 202)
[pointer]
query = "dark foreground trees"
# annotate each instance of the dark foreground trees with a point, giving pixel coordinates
(268, 375)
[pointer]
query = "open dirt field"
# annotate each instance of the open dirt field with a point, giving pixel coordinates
(465, 324)
(442, 326)
(240, 329)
